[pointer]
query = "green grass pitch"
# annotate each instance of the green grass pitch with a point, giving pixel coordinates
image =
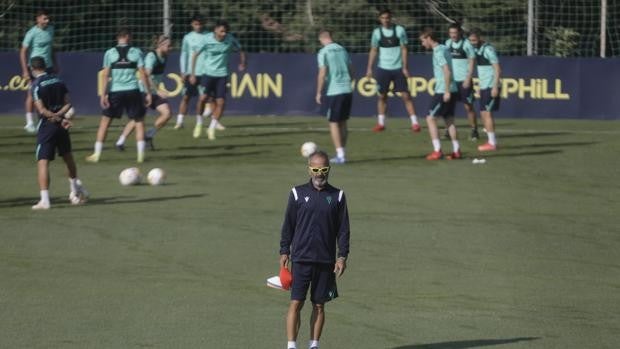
(521, 252)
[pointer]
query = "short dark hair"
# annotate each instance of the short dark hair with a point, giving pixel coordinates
(325, 31)
(221, 23)
(456, 25)
(41, 12)
(476, 32)
(196, 18)
(38, 63)
(123, 32)
(429, 33)
(319, 153)
(385, 11)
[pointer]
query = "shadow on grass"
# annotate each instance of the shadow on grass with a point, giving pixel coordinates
(281, 133)
(270, 124)
(532, 134)
(230, 146)
(393, 158)
(210, 156)
(132, 200)
(500, 154)
(474, 343)
(60, 202)
(544, 145)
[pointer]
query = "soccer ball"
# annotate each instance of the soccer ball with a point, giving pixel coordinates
(130, 176)
(308, 148)
(156, 176)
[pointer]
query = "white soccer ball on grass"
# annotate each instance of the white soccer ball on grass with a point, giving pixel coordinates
(156, 176)
(130, 176)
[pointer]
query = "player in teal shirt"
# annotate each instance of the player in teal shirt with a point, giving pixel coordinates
(217, 47)
(37, 42)
(154, 66)
(335, 72)
(444, 99)
(192, 42)
(121, 92)
(389, 42)
(463, 64)
(489, 73)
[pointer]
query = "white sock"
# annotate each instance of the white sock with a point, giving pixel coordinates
(73, 184)
(291, 344)
(492, 139)
(29, 118)
(45, 196)
(98, 147)
(121, 140)
(381, 119)
(199, 119)
(140, 145)
(414, 119)
(455, 146)
(207, 112)
(180, 119)
(436, 145)
(313, 344)
(213, 123)
(340, 152)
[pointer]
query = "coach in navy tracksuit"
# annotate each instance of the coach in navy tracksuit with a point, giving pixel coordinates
(316, 221)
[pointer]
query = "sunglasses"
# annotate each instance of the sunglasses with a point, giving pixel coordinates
(317, 170)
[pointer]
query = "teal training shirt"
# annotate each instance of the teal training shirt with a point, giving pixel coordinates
(442, 57)
(39, 44)
(123, 79)
(390, 58)
(151, 61)
(462, 51)
(192, 42)
(336, 59)
(217, 54)
(485, 58)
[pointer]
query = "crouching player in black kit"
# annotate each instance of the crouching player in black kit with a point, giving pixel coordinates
(51, 99)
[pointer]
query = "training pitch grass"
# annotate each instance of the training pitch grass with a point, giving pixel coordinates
(519, 252)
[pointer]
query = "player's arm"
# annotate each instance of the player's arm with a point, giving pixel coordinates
(498, 71)
(23, 60)
(447, 77)
(320, 83)
(343, 236)
(403, 54)
(183, 58)
(288, 229)
(105, 77)
(147, 86)
(470, 72)
(372, 55)
(403, 48)
(192, 78)
(242, 60)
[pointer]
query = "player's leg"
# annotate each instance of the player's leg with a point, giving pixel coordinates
(215, 118)
(401, 85)
(293, 322)
(127, 130)
(317, 320)
(182, 111)
(302, 276)
(28, 105)
(339, 109)
(383, 85)
(77, 193)
(431, 122)
(162, 106)
(204, 91)
(487, 105)
(219, 93)
(102, 132)
(43, 180)
(45, 153)
(456, 148)
(136, 110)
(472, 120)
